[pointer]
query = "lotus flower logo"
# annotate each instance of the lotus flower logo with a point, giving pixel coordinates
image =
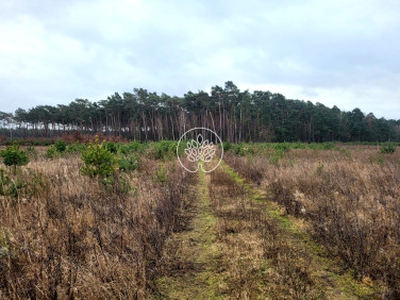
(200, 150)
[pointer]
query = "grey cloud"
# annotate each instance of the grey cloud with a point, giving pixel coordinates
(93, 48)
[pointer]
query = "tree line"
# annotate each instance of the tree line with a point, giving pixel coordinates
(237, 116)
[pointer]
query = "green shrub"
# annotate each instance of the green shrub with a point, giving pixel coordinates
(98, 160)
(239, 149)
(161, 174)
(51, 152)
(227, 146)
(4, 182)
(111, 146)
(13, 156)
(276, 156)
(284, 147)
(388, 148)
(128, 163)
(60, 146)
(123, 149)
(165, 149)
(135, 146)
(299, 145)
(75, 148)
(10, 187)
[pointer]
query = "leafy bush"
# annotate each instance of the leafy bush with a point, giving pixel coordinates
(9, 186)
(51, 152)
(284, 147)
(4, 182)
(13, 156)
(75, 148)
(161, 174)
(165, 149)
(128, 163)
(276, 156)
(239, 149)
(98, 160)
(135, 146)
(299, 145)
(227, 146)
(60, 146)
(388, 148)
(111, 146)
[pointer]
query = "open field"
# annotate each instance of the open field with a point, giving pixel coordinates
(276, 221)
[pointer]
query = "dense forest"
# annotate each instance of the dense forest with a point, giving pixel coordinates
(234, 114)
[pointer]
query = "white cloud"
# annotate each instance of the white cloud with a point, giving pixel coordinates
(333, 52)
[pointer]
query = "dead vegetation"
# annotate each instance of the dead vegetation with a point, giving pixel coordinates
(350, 198)
(259, 260)
(65, 235)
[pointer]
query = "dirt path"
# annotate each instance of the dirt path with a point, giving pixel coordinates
(193, 255)
(239, 246)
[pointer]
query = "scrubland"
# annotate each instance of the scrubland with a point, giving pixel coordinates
(349, 197)
(67, 235)
(149, 229)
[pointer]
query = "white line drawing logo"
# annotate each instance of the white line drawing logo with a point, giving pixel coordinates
(200, 150)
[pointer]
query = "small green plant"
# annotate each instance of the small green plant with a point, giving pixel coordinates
(388, 148)
(14, 157)
(227, 146)
(135, 146)
(10, 187)
(51, 152)
(161, 174)
(299, 145)
(75, 148)
(4, 183)
(284, 147)
(98, 160)
(111, 146)
(128, 163)
(276, 156)
(165, 149)
(60, 146)
(239, 149)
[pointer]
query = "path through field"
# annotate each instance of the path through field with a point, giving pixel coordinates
(239, 245)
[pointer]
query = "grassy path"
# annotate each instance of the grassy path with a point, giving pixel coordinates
(195, 255)
(240, 246)
(326, 272)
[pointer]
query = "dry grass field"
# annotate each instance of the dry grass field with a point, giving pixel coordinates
(291, 224)
(349, 198)
(64, 235)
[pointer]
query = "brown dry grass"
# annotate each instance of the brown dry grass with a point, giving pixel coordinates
(66, 236)
(258, 258)
(351, 199)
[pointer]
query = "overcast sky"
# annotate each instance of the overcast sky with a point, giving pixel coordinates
(344, 53)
